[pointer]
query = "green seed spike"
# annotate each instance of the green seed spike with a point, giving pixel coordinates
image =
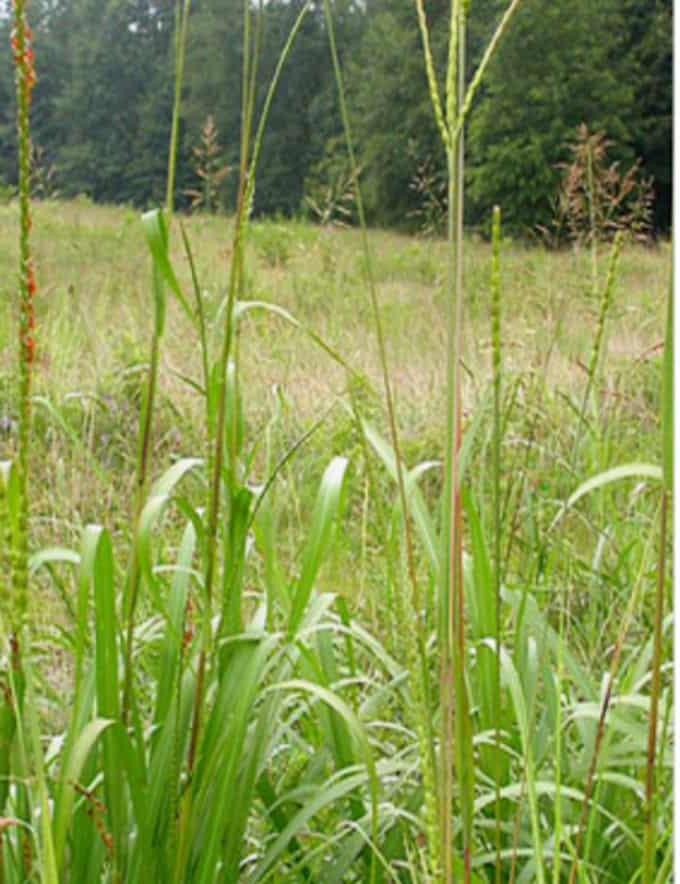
(431, 74)
(605, 305)
(453, 97)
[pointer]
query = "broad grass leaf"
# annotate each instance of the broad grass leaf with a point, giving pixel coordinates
(156, 232)
(343, 785)
(414, 498)
(616, 474)
(51, 556)
(325, 511)
(72, 767)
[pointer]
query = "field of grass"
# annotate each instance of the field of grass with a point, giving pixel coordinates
(95, 313)
(331, 555)
(330, 769)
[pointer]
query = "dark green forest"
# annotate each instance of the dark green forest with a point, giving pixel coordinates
(103, 104)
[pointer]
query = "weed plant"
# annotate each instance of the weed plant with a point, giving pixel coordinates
(489, 697)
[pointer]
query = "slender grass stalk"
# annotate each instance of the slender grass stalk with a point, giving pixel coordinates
(6, 531)
(590, 178)
(415, 638)
(448, 688)
(181, 32)
(455, 715)
(520, 469)
(202, 326)
(380, 334)
(251, 58)
(605, 306)
(132, 582)
(216, 477)
(497, 440)
(248, 167)
(649, 847)
(557, 834)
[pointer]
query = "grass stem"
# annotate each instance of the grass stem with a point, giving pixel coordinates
(497, 441)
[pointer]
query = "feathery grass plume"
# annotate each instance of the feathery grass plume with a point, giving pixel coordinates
(24, 61)
(497, 440)
(649, 847)
(209, 168)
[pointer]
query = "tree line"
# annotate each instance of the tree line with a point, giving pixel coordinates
(103, 104)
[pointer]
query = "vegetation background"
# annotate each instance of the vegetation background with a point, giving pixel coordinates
(103, 102)
(262, 621)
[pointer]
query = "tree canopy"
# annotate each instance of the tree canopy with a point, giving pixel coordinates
(104, 100)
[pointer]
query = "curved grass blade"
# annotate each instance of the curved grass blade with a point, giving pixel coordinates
(156, 232)
(325, 512)
(344, 783)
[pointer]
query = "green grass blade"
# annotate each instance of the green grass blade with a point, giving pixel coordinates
(414, 499)
(171, 646)
(107, 684)
(242, 308)
(512, 681)
(71, 774)
(615, 474)
(156, 232)
(651, 810)
(46, 847)
(344, 785)
(325, 512)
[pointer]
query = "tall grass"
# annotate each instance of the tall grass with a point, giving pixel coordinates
(219, 698)
(232, 721)
(456, 734)
(15, 485)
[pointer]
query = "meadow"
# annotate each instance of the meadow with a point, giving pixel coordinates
(96, 272)
(95, 316)
(331, 554)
